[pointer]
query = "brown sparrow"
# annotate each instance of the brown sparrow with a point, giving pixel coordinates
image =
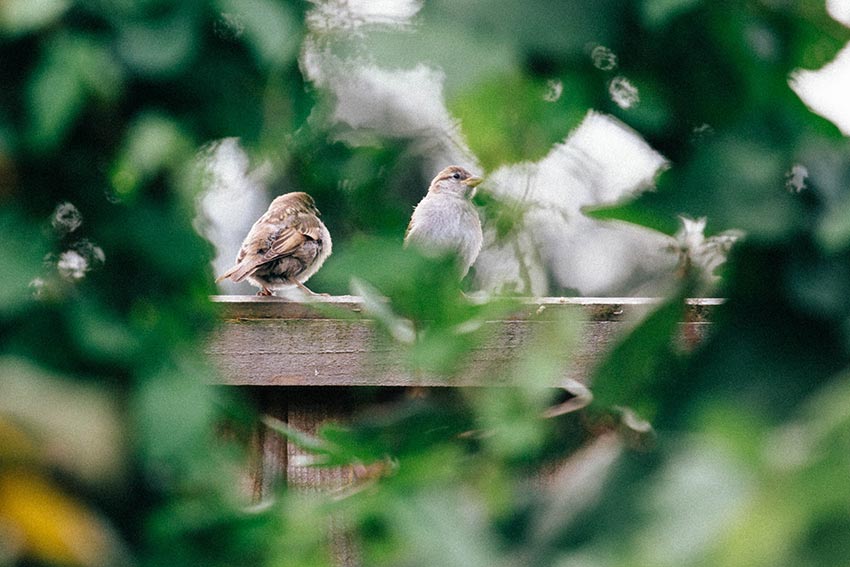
(286, 246)
(445, 220)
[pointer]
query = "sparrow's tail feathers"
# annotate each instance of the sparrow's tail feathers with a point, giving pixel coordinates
(237, 273)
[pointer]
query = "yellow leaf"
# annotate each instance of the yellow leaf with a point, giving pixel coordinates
(15, 445)
(54, 527)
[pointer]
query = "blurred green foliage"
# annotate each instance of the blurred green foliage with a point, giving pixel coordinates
(108, 446)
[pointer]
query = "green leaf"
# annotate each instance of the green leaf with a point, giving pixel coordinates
(649, 210)
(162, 47)
(23, 16)
(447, 526)
(658, 13)
(635, 368)
(736, 182)
(22, 250)
(155, 142)
(71, 69)
(173, 412)
(834, 229)
(300, 438)
(376, 306)
(270, 28)
(85, 438)
(55, 97)
(512, 118)
(102, 334)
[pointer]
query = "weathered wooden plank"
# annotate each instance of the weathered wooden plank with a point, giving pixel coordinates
(308, 410)
(320, 351)
(598, 308)
(274, 403)
(275, 342)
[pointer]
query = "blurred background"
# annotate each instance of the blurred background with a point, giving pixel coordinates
(664, 148)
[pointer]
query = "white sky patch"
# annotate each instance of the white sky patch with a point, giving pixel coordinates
(331, 15)
(839, 10)
(827, 90)
(235, 197)
(400, 103)
(385, 11)
(619, 159)
(601, 161)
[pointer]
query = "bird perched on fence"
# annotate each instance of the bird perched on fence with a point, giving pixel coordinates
(445, 220)
(286, 246)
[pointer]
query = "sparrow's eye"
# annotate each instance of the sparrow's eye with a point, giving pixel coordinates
(456, 175)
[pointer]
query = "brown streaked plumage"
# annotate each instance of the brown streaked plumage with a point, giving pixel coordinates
(445, 220)
(286, 246)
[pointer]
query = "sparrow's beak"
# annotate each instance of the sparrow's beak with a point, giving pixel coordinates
(472, 181)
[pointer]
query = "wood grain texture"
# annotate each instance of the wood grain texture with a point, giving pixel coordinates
(305, 361)
(330, 342)
(308, 410)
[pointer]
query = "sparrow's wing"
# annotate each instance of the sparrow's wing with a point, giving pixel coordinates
(411, 234)
(266, 243)
(245, 265)
(415, 235)
(250, 255)
(299, 228)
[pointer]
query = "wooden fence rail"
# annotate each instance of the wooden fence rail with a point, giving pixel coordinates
(304, 363)
(329, 342)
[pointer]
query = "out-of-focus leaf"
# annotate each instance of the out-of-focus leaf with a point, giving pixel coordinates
(417, 297)
(15, 445)
(817, 36)
(21, 252)
(173, 413)
(86, 437)
(634, 370)
(639, 213)
(161, 47)
(796, 504)
(512, 118)
(101, 334)
(735, 183)
(154, 142)
(740, 184)
(300, 438)
(565, 28)
(269, 27)
(445, 527)
(71, 69)
(97, 68)
(419, 288)
(56, 97)
(22, 16)
(822, 285)
(377, 435)
(511, 420)
(834, 229)
(657, 13)
(399, 328)
(692, 502)
(54, 527)
(513, 416)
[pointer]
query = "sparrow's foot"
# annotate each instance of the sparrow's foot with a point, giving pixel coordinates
(307, 290)
(265, 292)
